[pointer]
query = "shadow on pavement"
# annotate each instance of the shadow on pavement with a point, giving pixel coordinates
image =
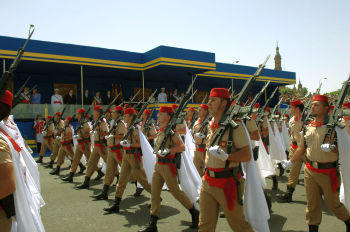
(276, 222)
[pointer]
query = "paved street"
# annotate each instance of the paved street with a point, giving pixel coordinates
(68, 209)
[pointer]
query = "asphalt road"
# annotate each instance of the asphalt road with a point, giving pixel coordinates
(68, 209)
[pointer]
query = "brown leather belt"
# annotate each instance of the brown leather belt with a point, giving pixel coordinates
(319, 165)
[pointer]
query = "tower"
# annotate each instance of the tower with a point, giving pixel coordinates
(278, 63)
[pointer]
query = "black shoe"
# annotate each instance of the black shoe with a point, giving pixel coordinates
(103, 195)
(313, 228)
(49, 165)
(56, 171)
(275, 183)
(69, 178)
(84, 185)
(99, 175)
(281, 169)
(347, 223)
(195, 217)
(152, 226)
(138, 192)
(40, 160)
(222, 215)
(286, 197)
(82, 168)
(114, 208)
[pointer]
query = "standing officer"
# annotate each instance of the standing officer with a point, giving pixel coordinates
(296, 126)
(83, 146)
(58, 127)
(165, 171)
(115, 151)
(220, 187)
(99, 150)
(132, 162)
(320, 172)
(47, 138)
(200, 134)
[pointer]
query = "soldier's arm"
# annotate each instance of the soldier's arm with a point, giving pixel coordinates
(242, 155)
(136, 139)
(300, 150)
(241, 142)
(152, 133)
(255, 135)
(178, 145)
(120, 132)
(103, 129)
(7, 176)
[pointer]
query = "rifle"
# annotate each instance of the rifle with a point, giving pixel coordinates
(7, 76)
(17, 96)
(98, 122)
(82, 120)
(169, 130)
(329, 139)
(61, 116)
(306, 114)
(261, 111)
(133, 98)
(275, 109)
(233, 111)
(136, 119)
(149, 121)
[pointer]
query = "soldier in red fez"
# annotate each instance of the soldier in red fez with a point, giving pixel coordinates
(47, 138)
(150, 130)
(346, 119)
(320, 172)
(190, 114)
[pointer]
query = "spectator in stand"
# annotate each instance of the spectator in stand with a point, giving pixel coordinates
(25, 96)
(108, 98)
(162, 97)
(56, 99)
(38, 127)
(70, 98)
(182, 95)
(87, 98)
(36, 97)
(174, 97)
(97, 99)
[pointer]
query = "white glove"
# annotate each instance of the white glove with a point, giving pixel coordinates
(44, 133)
(286, 164)
(76, 136)
(108, 136)
(58, 137)
(92, 132)
(217, 152)
(55, 131)
(200, 135)
(125, 143)
(163, 152)
(327, 147)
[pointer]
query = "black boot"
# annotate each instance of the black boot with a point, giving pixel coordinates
(347, 223)
(56, 171)
(99, 175)
(195, 217)
(281, 169)
(82, 168)
(275, 183)
(40, 160)
(86, 183)
(115, 207)
(49, 165)
(69, 178)
(103, 195)
(152, 226)
(138, 191)
(268, 200)
(313, 228)
(286, 197)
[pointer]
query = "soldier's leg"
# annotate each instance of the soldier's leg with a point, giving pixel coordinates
(294, 173)
(76, 159)
(60, 161)
(198, 161)
(209, 209)
(55, 149)
(157, 185)
(124, 176)
(5, 223)
(140, 175)
(332, 198)
(110, 169)
(313, 199)
(93, 160)
(44, 147)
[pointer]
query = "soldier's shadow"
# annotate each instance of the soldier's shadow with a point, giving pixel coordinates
(276, 222)
(140, 216)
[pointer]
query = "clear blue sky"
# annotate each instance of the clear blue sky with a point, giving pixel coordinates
(314, 35)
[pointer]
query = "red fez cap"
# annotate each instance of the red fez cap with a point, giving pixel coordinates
(48, 116)
(68, 118)
(118, 108)
(130, 111)
(220, 92)
(278, 113)
(109, 110)
(268, 109)
(147, 111)
(323, 98)
(204, 106)
(192, 109)
(174, 106)
(125, 106)
(7, 98)
(88, 116)
(97, 107)
(257, 105)
(296, 102)
(166, 109)
(332, 107)
(58, 113)
(81, 110)
(286, 115)
(346, 104)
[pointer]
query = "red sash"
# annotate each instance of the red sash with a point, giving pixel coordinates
(138, 155)
(293, 146)
(99, 145)
(25, 101)
(118, 153)
(82, 144)
(171, 165)
(66, 144)
(200, 149)
(57, 102)
(14, 144)
(332, 172)
(228, 185)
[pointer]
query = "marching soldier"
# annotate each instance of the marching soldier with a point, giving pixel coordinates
(220, 185)
(83, 146)
(48, 135)
(200, 139)
(165, 171)
(346, 119)
(320, 172)
(58, 127)
(181, 127)
(148, 130)
(132, 162)
(296, 126)
(115, 152)
(190, 117)
(66, 148)
(99, 149)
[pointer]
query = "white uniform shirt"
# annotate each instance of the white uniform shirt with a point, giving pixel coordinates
(162, 97)
(56, 99)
